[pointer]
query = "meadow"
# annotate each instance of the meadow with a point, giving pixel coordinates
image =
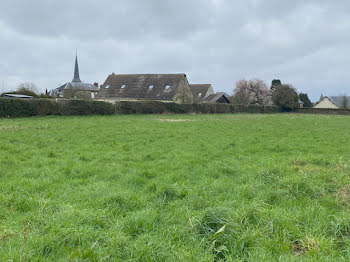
(233, 187)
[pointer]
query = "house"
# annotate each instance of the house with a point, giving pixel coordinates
(204, 93)
(301, 103)
(75, 89)
(220, 98)
(335, 102)
(201, 91)
(154, 87)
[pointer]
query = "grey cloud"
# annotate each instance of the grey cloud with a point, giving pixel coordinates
(217, 41)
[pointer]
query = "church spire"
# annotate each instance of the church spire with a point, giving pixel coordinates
(76, 70)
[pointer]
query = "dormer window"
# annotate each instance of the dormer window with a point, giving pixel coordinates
(167, 87)
(123, 86)
(150, 87)
(107, 86)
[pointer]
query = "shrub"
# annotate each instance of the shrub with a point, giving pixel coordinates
(22, 91)
(42, 107)
(156, 107)
(285, 96)
(16, 108)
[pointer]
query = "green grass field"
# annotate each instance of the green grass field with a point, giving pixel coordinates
(175, 188)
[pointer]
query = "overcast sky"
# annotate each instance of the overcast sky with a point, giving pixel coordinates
(302, 42)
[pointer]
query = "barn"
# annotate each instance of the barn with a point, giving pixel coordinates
(154, 87)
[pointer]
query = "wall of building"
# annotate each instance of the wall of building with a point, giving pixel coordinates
(183, 93)
(77, 94)
(326, 103)
(210, 92)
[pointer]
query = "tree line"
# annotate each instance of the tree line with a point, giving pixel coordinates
(256, 91)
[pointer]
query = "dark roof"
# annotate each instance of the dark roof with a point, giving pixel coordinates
(217, 97)
(76, 83)
(80, 86)
(17, 96)
(72, 85)
(339, 100)
(200, 90)
(141, 86)
(76, 78)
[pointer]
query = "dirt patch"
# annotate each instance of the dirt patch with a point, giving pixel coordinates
(175, 120)
(304, 247)
(343, 195)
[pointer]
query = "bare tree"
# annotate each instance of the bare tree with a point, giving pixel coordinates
(2, 88)
(253, 91)
(344, 102)
(28, 86)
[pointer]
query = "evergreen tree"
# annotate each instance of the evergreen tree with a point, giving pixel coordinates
(275, 83)
(305, 99)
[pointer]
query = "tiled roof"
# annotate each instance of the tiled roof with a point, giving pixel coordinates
(215, 97)
(339, 100)
(141, 86)
(200, 90)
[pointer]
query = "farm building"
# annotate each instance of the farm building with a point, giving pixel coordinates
(204, 93)
(76, 88)
(156, 87)
(219, 97)
(300, 103)
(333, 102)
(201, 91)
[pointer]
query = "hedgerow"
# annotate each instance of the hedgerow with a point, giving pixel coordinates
(42, 107)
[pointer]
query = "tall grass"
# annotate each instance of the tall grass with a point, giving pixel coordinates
(211, 188)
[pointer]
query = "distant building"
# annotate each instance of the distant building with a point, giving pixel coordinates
(155, 87)
(301, 103)
(201, 91)
(17, 96)
(204, 93)
(333, 102)
(220, 98)
(75, 89)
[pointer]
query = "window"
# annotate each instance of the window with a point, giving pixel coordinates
(123, 86)
(167, 87)
(150, 87)
(107, 86)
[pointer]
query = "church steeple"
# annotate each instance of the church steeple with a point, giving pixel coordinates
(76, 78)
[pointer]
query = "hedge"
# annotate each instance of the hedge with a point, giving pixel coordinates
(40, 107)
(154, 107)
(326, 111)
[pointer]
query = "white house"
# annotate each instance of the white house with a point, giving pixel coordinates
(334, 102)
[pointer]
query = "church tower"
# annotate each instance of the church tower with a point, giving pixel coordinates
(76, 78)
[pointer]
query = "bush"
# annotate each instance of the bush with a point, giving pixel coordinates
(16, 108)
(285, 96)
(22, 91)
(42, 107)
(82, 107)
(155, 107)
